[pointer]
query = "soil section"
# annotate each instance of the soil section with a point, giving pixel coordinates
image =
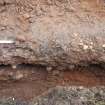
(28, 81)
(52, 32)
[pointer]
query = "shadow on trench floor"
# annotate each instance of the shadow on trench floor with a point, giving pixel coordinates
(28, 81)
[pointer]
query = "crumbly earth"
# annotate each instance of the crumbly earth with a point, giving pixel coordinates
(72, 96)
(52, 32)
(27, 82)
(69, 95)
(11, 101)
(66, 96)
(62, 34)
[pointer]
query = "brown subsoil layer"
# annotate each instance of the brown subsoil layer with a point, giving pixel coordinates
(28, 81)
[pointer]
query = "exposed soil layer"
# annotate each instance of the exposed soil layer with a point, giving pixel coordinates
(52, 32)
(27, 81)
(71, 95)
(65, 95)
(62, 34)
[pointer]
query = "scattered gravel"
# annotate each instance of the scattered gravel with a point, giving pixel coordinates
(72, 96)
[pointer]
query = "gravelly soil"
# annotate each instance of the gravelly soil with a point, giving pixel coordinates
(53, 32)
(69, 95)
(73, 96)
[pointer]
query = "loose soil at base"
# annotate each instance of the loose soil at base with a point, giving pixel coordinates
(36, 80)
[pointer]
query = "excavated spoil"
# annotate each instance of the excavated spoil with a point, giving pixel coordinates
(52, 32)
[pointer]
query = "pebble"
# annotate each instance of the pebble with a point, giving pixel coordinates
(14, 66)
(75, 34)
(103, 45)
(49, 69)
(81, 87)
(13, 99)
(71, 67)
(85, 47)
(26, 16)
(55, 72)
(17, 76)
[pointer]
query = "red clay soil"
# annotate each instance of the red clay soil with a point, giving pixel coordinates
(36, 80)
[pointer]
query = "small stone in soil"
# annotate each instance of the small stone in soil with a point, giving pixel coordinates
(49, 69)
(14, 66)
(19, 75)
(71, 67)
(56, 73)
(16, 76)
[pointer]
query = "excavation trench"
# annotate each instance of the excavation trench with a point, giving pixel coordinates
(65, 35)
(29, 81)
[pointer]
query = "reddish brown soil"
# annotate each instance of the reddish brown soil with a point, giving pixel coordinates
(28, 14)
(37, 80)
